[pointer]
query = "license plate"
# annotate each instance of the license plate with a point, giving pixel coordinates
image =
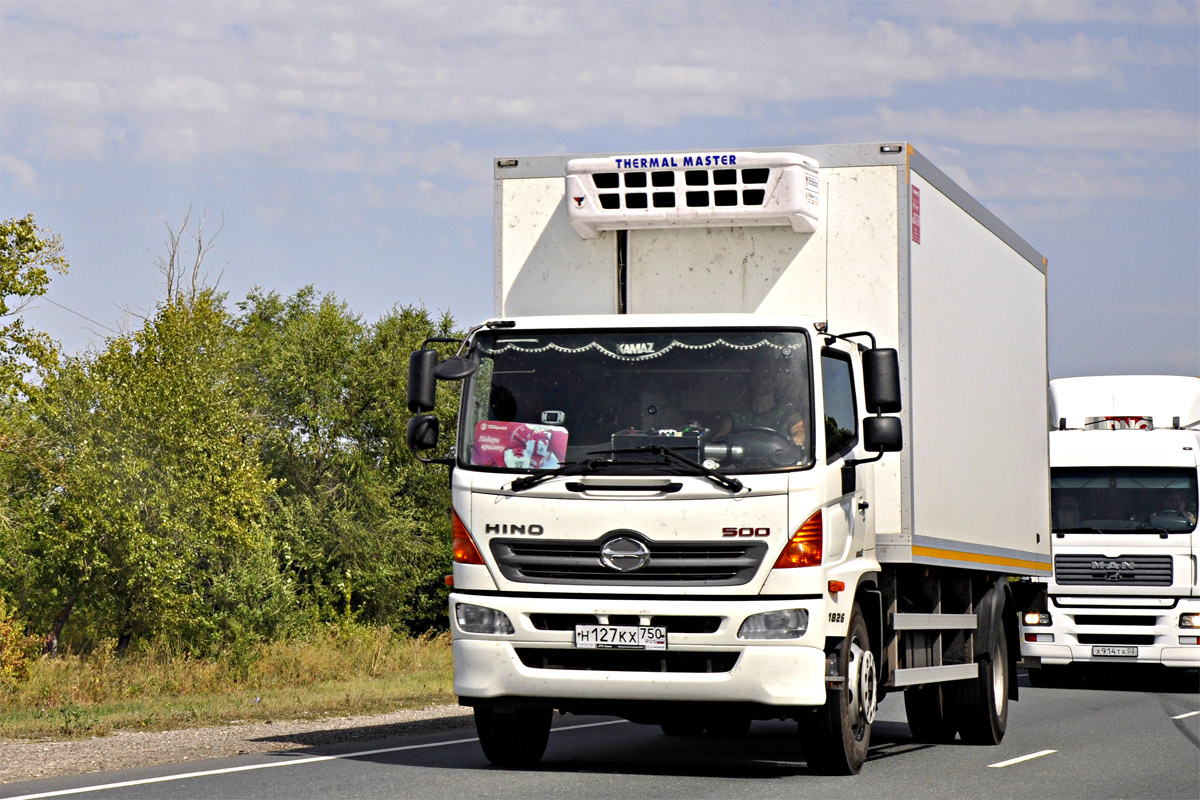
(621, 637)
(1111, 650)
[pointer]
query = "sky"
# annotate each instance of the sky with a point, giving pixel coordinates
(350, 145)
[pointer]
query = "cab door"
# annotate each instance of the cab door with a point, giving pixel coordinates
(840, 428)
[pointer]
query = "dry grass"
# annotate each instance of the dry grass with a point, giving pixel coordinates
(341, 670)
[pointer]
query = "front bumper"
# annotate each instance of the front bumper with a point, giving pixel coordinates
(1076, 631)
(539, 660)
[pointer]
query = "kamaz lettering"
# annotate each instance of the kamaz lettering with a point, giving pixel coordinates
(636, 348)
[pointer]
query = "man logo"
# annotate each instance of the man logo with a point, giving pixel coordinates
(1113, 565)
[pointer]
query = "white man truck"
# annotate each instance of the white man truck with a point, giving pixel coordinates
(1124, 469)
(754, 434)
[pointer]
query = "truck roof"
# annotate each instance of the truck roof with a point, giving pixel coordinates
(1132, 448)
(1125, 401)
(661, 321)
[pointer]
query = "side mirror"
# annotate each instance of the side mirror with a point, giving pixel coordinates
(455, 368)
(422, 386)
(883, 434)
(422, 432)
(881, 380)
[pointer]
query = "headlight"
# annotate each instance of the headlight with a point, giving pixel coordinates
(477, 619)
(1036, 618)
(1189, 620)
(789, 624)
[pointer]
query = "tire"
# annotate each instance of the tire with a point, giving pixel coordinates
(513, 737)
(981, 704)
(929, 714)
(836, 736)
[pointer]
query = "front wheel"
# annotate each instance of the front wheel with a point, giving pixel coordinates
(513, 737)
(836, 737)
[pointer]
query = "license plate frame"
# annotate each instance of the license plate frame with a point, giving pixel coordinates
(621, 637)
(1114, 651)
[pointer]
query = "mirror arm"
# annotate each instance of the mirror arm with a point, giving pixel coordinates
(848, 336)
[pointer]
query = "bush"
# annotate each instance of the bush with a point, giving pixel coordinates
(18, 650)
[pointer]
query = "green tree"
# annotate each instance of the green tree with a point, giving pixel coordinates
(27, 257)
(146, 516)
(353, 521)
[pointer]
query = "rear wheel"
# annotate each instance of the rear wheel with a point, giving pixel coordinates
(928, 712)
(836, 736)
(981, 704)
(513, 737)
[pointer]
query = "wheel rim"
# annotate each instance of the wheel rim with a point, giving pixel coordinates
(999, 682)
(863, 686)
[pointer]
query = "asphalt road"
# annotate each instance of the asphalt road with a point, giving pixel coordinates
(1092, 741)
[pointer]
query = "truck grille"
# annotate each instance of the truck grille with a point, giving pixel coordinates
(670, 564)
(626, 660)
(1098, 570)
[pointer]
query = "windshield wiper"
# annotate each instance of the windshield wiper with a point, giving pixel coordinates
(594, 464)
(724, 481)
(1084, 529)
(573, 468)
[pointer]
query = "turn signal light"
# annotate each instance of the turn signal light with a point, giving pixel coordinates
(465, 551)
(804, 548)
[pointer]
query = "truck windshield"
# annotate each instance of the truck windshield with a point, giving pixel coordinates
(1120, 499)
(735, 401)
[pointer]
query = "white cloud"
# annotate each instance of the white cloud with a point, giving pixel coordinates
(20, 172)
(186, 93)
(71, 141)
(1112, 130)
(276, 80)
(1010, 13)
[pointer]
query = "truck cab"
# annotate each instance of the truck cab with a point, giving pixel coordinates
(1125, 460)
(728, 450)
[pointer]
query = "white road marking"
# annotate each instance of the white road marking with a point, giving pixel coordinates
(1019, 759)
(1185, 716)
(292, 763)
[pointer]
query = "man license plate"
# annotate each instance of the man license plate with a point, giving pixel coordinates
(1114, 650)
(621, 637)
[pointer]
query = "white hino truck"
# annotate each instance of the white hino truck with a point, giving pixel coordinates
(1124, 467)
(753, 435)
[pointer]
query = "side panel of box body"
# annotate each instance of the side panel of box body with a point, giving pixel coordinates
(977, 435)
(542, 265)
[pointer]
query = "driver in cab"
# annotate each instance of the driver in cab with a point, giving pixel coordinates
(770, 403)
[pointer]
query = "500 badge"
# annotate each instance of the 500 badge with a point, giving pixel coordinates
(745, 532)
